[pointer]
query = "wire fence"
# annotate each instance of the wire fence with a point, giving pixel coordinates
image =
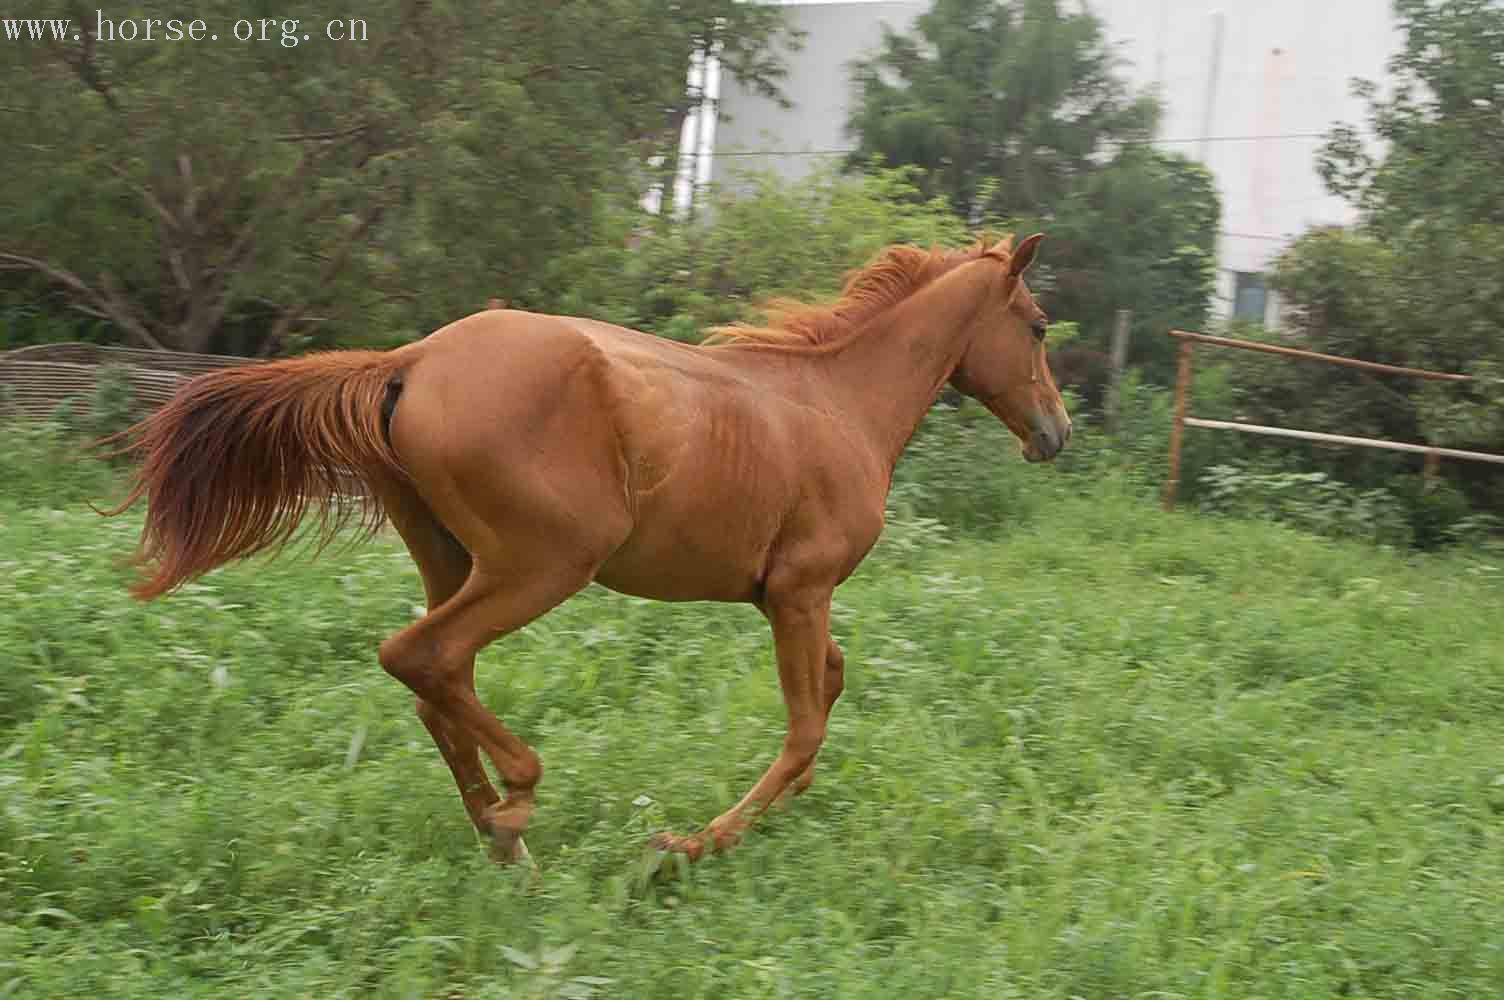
(36, 381)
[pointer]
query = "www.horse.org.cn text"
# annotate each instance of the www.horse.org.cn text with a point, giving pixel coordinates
(285, 31)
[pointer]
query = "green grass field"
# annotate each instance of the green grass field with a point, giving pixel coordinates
(1109, 753)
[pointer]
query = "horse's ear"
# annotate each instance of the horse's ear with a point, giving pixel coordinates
(1024, 255)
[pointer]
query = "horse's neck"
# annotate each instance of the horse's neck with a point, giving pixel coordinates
(888, 376)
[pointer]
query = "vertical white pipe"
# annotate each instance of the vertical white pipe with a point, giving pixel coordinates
(1213, 78)
(689, 139)
(709, 112)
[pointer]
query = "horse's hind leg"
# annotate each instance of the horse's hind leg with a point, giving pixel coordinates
(835, 682)
(444, 565)
(435, 656)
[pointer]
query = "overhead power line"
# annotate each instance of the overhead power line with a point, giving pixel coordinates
(1283, 136)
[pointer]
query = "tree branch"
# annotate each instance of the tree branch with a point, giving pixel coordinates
(124, 313)
(335, 264)
(241, 246)
(329, 136)
(152, 201)
(84, 65)
(107, 303)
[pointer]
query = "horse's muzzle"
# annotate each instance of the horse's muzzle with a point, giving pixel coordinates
(1047, 438)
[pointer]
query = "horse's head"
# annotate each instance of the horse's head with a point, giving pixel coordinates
(1005, 367)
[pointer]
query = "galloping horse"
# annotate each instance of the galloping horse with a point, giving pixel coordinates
(522, 456)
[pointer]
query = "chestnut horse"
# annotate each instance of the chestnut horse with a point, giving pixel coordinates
(522, 456)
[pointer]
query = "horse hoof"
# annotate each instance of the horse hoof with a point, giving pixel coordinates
(508, 847)
(662, 864)
(670, 843)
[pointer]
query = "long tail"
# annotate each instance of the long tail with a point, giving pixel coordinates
(232, 463)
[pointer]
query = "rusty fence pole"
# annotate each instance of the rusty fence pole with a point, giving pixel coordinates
(1177, 429)
(1429, 470)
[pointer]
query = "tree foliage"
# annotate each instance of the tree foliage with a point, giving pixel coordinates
(1004, 104)
(1418, 281)
(1139, 233)
(247, 196)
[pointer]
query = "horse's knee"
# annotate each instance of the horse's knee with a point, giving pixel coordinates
(397, 656)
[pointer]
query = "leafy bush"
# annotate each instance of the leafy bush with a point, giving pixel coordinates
(109, 408)
(43, 464)
(28, 315)
(48, 462)
(1438, 512)
(1312, 501)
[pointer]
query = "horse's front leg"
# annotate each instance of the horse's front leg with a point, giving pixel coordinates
(801, 638)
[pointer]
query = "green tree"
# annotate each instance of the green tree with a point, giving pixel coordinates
(1139, 233)
(1418, 281)
(255, 196)
(1433, 205)
(1011, 110)
(1436, 197)
(1003, 103)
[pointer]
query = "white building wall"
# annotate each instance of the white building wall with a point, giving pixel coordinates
(756, 133)
(1249, 87)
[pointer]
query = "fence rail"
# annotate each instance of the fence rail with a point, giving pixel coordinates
(35, 381)
(1189, 340)
(35, 389)
(1294, 352)
(97, 354)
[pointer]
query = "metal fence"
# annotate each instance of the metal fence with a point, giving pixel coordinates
(1188, 342)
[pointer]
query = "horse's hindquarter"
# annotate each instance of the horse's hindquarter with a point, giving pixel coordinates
(504, 428)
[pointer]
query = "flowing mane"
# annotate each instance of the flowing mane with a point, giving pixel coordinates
(898, 272)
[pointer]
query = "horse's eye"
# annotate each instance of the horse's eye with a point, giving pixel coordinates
(1040, 328)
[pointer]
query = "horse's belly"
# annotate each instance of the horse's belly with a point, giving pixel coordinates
(696, 565)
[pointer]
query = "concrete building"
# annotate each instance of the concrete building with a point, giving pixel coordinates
(1249, 89)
